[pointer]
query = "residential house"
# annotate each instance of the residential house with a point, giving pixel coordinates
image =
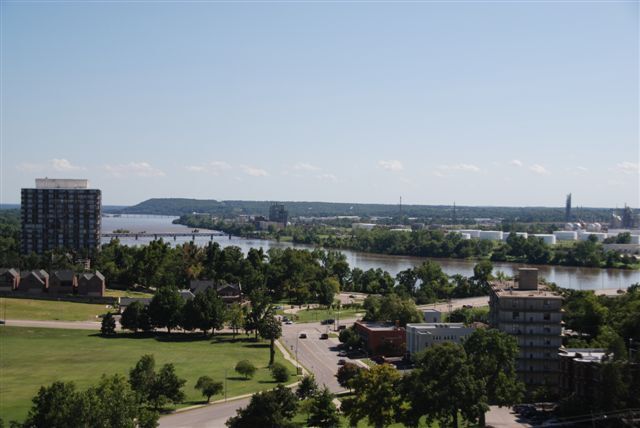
(91, 284)
(34, 282)
(63, 282)
(9, 279)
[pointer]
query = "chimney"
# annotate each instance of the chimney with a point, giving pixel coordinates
(528, 279)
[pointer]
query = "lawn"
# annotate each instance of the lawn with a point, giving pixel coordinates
(313, 315)
(126, 293)
(31, 357)
(49, 310)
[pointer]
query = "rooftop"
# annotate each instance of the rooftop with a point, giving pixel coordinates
(432, 326)
(585, 354)
(378, 326)
(61, 183)
(510, 288)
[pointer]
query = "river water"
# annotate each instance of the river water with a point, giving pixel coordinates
(568, 277)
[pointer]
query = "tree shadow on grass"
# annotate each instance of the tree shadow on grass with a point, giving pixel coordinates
(256, 345)
(237, 378)
(159, 336)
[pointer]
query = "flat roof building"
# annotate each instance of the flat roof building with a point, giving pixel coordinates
(532, 314)
(60, 214)
(384, 339)
(421, 336)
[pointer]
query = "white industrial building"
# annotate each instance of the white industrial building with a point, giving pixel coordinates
(421, 336)
(599, 235)
(473, 233)
(491, 235)
(432, 316)
(565, 235)
(505, 235)
(546, 238)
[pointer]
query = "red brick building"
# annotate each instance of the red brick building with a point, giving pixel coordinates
(382, 339)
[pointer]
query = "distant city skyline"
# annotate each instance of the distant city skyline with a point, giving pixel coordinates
(494, 103)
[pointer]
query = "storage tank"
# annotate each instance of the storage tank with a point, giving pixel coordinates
(594, 227)
(491, 235)
(635, 239)
(472, 232)
(505, 235)
(565, 235)
(601, 236)
(546, 238)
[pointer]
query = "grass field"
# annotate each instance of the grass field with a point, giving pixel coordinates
(313, 315)
(31, 357)
(49, 310)
(126, 293)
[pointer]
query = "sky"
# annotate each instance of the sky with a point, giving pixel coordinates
(481, 103)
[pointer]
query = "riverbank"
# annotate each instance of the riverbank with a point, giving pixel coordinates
(581, 278)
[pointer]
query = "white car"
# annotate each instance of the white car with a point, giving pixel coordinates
(288, 322)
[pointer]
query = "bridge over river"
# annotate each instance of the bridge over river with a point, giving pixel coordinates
(155, 235)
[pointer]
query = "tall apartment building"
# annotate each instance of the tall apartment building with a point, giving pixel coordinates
(533, 314)
(60, 214)
(278, 214)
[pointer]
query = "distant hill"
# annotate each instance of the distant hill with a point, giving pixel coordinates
(180, 206)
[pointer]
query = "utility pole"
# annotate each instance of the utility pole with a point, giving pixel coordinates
(225, 385)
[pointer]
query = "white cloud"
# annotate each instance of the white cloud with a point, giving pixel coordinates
(516, 162)
(327, 177)
(213, 167)
(459, 167)
(253, 171)
(628, 167)
(539, 169)
(29, 167)
(303, 166)
(58, 165)
(64, 165)
(391, 165)
(140, 169)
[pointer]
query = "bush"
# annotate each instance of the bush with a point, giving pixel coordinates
(279, 372)
(246, 368)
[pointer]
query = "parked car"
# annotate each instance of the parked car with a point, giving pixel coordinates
(342, 354)
(341, 362)
(342, 327)
(327, 321)
(324, 336)
(303, 336)
(467, 306)
(288, 322)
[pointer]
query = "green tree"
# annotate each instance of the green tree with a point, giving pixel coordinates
(142, 377)
(328, 289)
(307, 387)
(375, 396)
(492, 356)
(271, 329)
(131, 318)
(208, 387)
(444, 374)
(269, 409)
(165, 308)
(350, 338)
(55, 406)
(323, 412)
(167, 387)
(108, 325)
(346, 373)
(279, 372)
(111, 403)
(260, 309)
(245, 368)
(235, 318)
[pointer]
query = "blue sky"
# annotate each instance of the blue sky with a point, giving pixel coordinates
(482, 103)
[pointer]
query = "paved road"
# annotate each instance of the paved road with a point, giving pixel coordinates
(73, 325)
(320, 357)
(212, 416)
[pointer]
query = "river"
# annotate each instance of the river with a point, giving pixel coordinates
(568, 277)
